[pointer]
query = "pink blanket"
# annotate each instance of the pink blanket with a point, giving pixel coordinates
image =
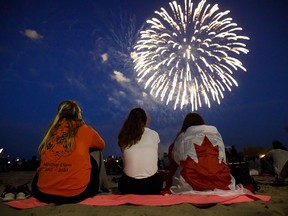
(148, 200)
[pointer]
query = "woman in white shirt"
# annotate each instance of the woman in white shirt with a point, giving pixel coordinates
(139, 146)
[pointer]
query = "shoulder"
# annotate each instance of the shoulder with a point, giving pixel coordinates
(211, 128)
(277, 151)
(150, 132)
(86, 128)
(201, 129)
(179, 138)
(272, 152)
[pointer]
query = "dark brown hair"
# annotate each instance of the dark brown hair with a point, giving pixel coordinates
(278, 145)
(133, 128)
(191, 119)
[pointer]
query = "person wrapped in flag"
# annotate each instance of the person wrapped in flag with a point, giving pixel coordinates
(198, 161)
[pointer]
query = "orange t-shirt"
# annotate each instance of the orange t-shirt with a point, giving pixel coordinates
(68, 173)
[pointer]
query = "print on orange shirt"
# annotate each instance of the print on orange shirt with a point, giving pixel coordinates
(56, 152)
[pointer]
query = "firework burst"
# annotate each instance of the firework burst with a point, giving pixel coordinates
(188, 54)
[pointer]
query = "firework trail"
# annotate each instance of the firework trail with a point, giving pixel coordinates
(187, 54)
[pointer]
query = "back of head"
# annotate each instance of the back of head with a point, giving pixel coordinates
(71, 112)
(278, 145)
(69, 109)
(192, 119)
(137, 116)
(133, 128)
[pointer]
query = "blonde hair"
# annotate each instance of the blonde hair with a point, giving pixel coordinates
(69, 111)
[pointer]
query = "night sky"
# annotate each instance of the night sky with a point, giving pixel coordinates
(57, 50)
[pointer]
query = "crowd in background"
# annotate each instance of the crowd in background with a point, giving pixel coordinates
(114, 164)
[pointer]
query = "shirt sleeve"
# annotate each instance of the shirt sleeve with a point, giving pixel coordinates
(97, 141)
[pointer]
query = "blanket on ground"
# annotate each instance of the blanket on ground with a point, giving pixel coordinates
(148, 200)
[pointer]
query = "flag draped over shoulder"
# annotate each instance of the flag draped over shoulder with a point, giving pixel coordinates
(201, 159)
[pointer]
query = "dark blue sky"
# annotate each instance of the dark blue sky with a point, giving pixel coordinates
(51, 51)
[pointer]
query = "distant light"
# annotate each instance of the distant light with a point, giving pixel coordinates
(1, 150)
(9, 162)
(262, 156)
(17, 159)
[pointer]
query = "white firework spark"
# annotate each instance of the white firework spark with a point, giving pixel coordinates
(188, 56)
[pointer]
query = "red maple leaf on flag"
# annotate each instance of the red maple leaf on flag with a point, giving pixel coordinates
(208, 173)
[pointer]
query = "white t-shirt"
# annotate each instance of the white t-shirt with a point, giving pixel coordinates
(141, 160)
(279, 157)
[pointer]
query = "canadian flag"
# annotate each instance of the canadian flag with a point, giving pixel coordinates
(200, 156)
(208, 173)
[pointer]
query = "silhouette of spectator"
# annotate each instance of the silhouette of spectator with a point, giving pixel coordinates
(278, 157)
(254, 165)
(234, 156)
(165, 161)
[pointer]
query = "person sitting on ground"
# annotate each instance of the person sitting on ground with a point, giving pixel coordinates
(139, 146)
(198, 160)
(254, 165)
(67, 172)
(278, 157)
(165, 161)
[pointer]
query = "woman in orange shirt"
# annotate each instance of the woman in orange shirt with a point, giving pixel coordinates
(67, 173)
